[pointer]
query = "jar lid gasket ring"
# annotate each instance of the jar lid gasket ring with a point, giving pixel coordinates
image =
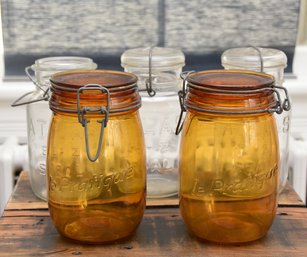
(278, 108)
(117, 110)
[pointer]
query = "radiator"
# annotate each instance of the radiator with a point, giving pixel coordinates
(13, 158)
(298, 165)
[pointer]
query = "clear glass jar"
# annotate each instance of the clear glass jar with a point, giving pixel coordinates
(39, 114)
(229, 156)
(273, 62)
(96, 165)
(158, 70)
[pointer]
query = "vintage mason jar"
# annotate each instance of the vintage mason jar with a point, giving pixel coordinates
(39, 114)
(96, 165)
(273, 62)
(229, 156)
(158, 70)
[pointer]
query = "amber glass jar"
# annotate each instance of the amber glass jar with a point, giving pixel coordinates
(96, 164)
(229, 160)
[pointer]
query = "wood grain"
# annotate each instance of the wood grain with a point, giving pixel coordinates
(161, 233)
(26, 230)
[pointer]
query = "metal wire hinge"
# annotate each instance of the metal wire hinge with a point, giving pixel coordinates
(181, 95)
(286, 105)
(45, 96)
(260, 57)
(151, 92)
(93, 109)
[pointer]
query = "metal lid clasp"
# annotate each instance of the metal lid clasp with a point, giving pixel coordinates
(93, 109)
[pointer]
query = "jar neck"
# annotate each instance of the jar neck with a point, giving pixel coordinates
(231, 92)
(124, 100)
(236, 102)
(94, 92)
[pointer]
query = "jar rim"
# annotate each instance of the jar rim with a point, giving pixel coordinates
(74, 79)
(250, 57)
(230, 79)
(160, 57)
(60, 63)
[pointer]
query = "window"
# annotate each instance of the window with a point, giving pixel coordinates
(102, 30)
(302, 35)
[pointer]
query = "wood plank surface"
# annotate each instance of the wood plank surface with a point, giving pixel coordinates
(289, 197)
(26, 230)
(161, 233)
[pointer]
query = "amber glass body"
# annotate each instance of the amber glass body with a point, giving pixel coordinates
(229, 163)
(101, 201)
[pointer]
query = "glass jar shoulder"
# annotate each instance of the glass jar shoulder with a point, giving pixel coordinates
(200, 123)
(201, 130)
(119, 127)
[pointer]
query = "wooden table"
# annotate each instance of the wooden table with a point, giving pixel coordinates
(26, 230)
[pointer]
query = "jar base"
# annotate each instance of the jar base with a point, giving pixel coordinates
(229, 222)
(104, 231)
(226, 229)
(41, 194)
(98, 222)
(158, 187)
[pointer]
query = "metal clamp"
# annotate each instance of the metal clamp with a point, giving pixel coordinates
(93, 109)
(45, 96)
(151, 92)
(260, 57)
(277, 108)
(18, 103)
(286, 105)
(181, 95)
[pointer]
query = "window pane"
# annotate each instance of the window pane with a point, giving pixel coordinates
(102, 30)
